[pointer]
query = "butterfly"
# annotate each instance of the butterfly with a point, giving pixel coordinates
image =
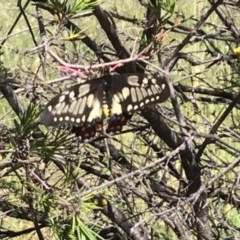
(85, 106)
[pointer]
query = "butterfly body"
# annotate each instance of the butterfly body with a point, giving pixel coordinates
(85, 106)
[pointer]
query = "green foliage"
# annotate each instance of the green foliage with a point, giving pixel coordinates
(166, 5)
(83, 5)
(28, 121)
(79, 230)
(160, 7)
(49, 146)
(69, 8)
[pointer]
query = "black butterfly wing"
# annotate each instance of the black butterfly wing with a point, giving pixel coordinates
(131, 92)
(79, 107)
(84, 106)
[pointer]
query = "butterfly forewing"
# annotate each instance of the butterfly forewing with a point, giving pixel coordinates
(134, 91)
(76, 106)
(131, 92)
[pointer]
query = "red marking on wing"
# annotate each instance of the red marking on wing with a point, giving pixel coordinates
(88, 130)
(116, 122)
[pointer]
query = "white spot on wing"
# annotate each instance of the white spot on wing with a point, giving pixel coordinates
(78, 120)
(75, 111)
(129, 107)
(65, 110)
(125, 92)
(116, 98)
(163, 86)
(133, 94)
(154, 90)
(144, 92)
(82, 107)
(149, 92)
(72, 96)
(90, 100)
(54, 110)
(120, 96)
(133, 80)
(83, 118)
(84, 90)
(145, 81)
(72, 119)
(139, 94)
(60, 108)
(154, 81)
(96, 111)
(67, 118)
(72, 106)
(116, 106)
(61, 98)
(49, 108)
